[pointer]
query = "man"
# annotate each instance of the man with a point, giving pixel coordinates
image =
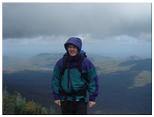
(74, 81)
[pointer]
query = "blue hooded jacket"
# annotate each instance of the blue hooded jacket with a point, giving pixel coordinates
(75, 79)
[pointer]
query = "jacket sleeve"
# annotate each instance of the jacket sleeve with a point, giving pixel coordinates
(92, 80)
(55, 81)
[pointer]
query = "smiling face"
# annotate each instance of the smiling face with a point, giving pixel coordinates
(72, 50)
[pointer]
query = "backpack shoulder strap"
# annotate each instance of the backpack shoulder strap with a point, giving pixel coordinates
(64, 66)
(84, 75)
(79, 64)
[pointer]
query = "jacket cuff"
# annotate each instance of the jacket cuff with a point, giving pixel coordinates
(92, 98)
(56, 96)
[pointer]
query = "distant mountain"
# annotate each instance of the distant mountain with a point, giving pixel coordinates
(142, 79)
(142, 64)
(43, 61)
(128, 91)
(133, 57)
(13, 64)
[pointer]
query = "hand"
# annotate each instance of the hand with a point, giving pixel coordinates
(91, 104)
(57, 102)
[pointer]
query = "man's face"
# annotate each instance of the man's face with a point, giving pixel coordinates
(72, 50)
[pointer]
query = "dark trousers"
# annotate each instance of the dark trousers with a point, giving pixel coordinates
(74, 107)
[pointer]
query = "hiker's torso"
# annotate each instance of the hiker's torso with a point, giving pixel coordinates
(72, 82)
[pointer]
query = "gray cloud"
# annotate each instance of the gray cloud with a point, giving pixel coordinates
(97, 19)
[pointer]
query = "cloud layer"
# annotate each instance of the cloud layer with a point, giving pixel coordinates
(24, 20)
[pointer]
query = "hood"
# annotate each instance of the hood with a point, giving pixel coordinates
(74, 41)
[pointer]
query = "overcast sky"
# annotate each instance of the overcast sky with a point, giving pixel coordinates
(26, 20)
(97, 23)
